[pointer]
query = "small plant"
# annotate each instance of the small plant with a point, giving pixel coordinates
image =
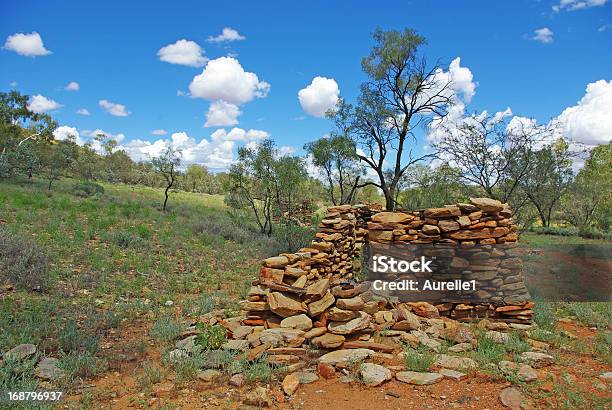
(87, 189)
(544, 315)
(419, 359)
(125, 240)
(23, 263)
(488, 351)
(151, 375)
(166, 330)
(197, 307)
(211, 336)
(81, 365)
(261, 370)
(603, 346)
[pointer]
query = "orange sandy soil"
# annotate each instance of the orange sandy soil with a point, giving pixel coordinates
(118, 388)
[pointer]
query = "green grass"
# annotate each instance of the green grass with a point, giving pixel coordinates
(418, 360)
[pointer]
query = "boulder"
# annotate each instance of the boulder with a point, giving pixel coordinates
(209, 375)
(49, 369)
(537, 359)
(512, 398)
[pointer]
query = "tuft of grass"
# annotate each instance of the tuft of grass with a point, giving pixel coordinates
(200, 306)
(166, 329)
(418, 360)
(544, 315)
(81, 365)
(23, 263)
(124, 239)
(488, 351)
(261, 370)
(151, 374)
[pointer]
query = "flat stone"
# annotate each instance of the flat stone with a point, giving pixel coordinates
(307, 377)
(328, 341)
(49, 369)
(290, 384)
(276, 262)
(301, 322)
(317, 290)
(487, 204)
(319, 306)
(374, 374)
(455, 362)
(352, 326)
(418, 378)
(20, 352)
(392, 217)
(448, 225)
(458, 334)
(236, 345)
(314, 332)
(237, 380)
(498, 337)
(460, 347)
(355, 303)
(341, 315)
(284, 305)
(260, 397)
(430, 230)
(537, 359)
(512, 398)
(524, 372)
(346, 355)
(452, 374)
(283, 337)
(367, 344)
(209, 375)
(424, 309)
(187, 344)
(444, 212)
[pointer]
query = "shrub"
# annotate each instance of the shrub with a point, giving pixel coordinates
(488, 351)
(124, 239)
(290, 238)
(23, 262)
(166, 329)
(86, 189)
(419, 359)
(211, 336)
(82, 365)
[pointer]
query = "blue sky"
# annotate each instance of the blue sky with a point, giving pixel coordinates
(111, 49)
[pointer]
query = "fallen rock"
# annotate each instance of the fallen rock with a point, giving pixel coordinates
(460, 347)
(341, 315)
(290, 384)
(537, 359)
(455, 362)
(237, 380)
(276, 262)
(458, 334)
(48, 369)
(260, 396)
(301, 322)
(352, 326)
(314, 332)
(498, 337)
(512, 398)
(20, 352)
(346, 355)
(209, 375)
(355, 303)
(524, 372)
(418, 378)
(452, 374)
(326, 370)
(307, 377)
(282, 337)
(319, 306)
(236, 345)
(374, 374)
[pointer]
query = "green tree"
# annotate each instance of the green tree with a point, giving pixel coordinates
(166, 165)
(401, 94)
(426, 187)
(337, 160)
(59, 159)
(196, 178)
(548, 179)
(589, 200)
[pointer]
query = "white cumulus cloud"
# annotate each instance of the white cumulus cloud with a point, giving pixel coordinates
(183, 52)
(83, 111)
(30, 45)
(63, 132)
(225, 79)
(118, 110)
(572, 5)
(543, 35)
(72, 86)
(239, 134)
(227, 34)
(159, 132)
(40, 104)
(222, 114)
(590, 120)
(319, 96)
